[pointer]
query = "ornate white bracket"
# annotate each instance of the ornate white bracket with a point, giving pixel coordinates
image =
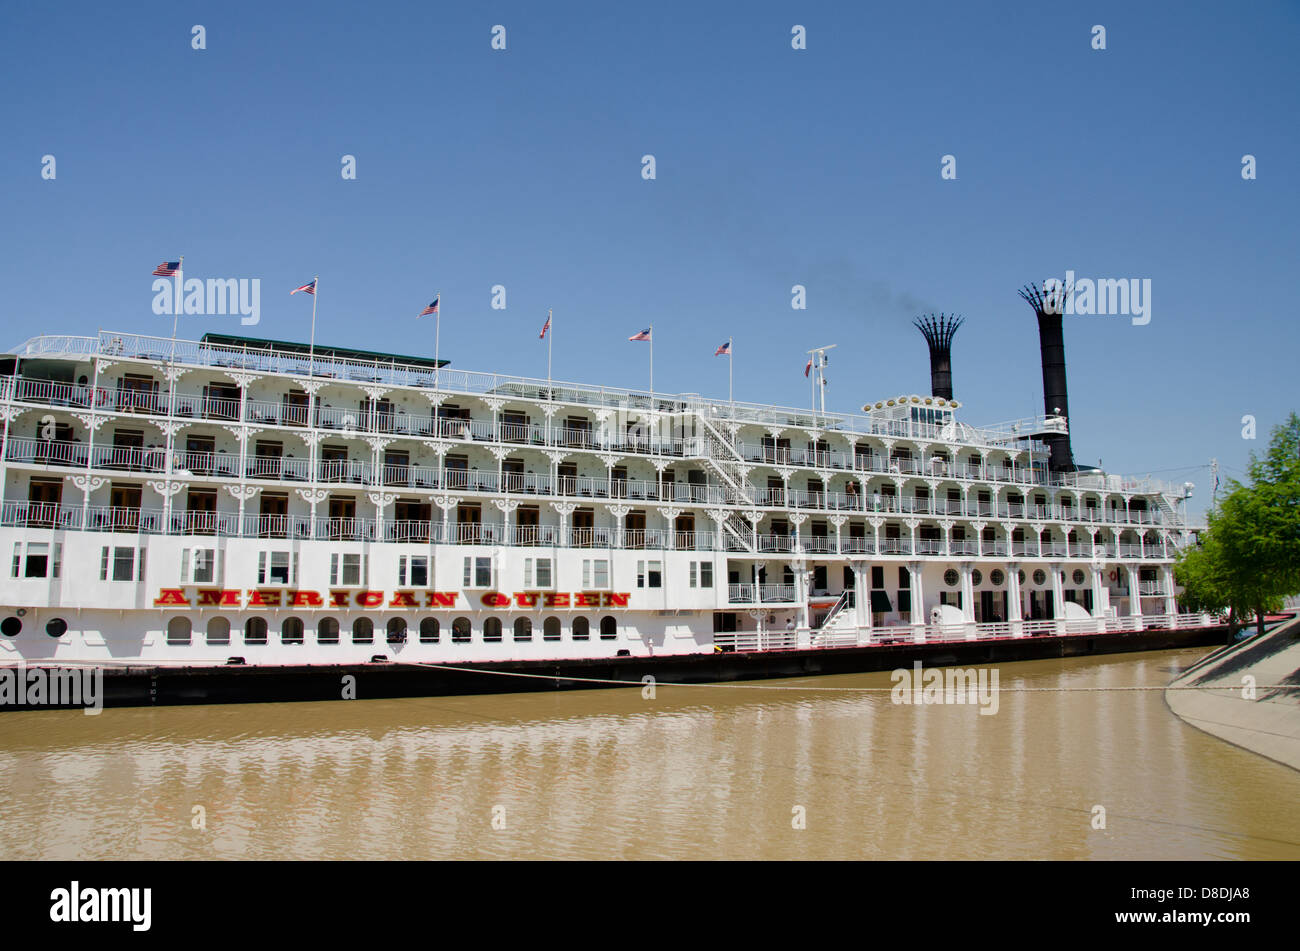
(86, 484)
(165, 488)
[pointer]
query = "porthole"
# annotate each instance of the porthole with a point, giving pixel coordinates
(56, 627)
(997, 577)
(1078, 576)
(1040, 576)
(10, 626)
(950, 577)
(976, 577)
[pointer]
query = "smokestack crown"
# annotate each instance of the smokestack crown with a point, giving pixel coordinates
(938, 330)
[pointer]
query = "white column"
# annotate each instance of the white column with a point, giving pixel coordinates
(1058, 597)
(1015, 610)
(1134, 596)
(918, 602)
(1171, 602)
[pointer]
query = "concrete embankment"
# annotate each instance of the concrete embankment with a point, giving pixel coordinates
(1268, 722)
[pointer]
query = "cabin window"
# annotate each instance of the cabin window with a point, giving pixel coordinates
(345, 569)
(255, 630)
(460, 630)
(701, 574)
(178, 630)
(537, 573)
(523, 629)
(327, 631)
(649, 574)
(581, 629)
(276, 567)
(38, 560)
(595, 573)
(608, 628)
(418, 572)
(118, 564)
(478, 572)
(492, 630)
(363, 631)
(218, 630)
(551, 629)
(291, 631)
(429, 630)
(397, 630)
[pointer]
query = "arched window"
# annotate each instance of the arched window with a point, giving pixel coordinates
(255, 630)
(327, 630)
(218, 630)
(460, 630)
(291, 631)
(178, 630)
(492, 630)
(397, 630)
(363, 631)
(581, 629)
(523, 629)
(608, 628)
(429, 630)
(551, 629)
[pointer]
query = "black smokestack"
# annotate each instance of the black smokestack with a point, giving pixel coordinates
(938, 331)
(1048, 303)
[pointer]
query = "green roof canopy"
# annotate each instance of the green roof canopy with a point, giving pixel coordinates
(322, 352)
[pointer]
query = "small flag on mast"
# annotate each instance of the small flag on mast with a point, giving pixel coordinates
(808, 368)
(309, 288)
(431, 309)
(167, 269)
(643, 335)
(545, 327)
(724, 350)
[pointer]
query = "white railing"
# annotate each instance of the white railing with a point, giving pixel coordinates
(752, 641)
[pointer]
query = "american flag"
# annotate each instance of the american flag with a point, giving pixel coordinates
(545, 327)
(643, 335)
(309, 287)
(167, 269)
(724, 350)
(808, 368)
(431, 309)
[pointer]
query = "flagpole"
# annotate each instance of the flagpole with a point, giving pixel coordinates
(550, 339)
(311, 348)
(176, 311)
(652, 366)
(437, 340)
(731, 367)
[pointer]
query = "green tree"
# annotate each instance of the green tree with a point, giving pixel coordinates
(1249, 560)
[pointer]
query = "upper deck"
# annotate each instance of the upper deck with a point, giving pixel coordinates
(330, 364)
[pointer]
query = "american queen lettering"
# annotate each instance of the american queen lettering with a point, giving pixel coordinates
(402, 598)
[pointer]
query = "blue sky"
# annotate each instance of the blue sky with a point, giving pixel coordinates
(775, 167)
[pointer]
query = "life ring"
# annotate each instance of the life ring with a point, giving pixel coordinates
(1114, 575)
